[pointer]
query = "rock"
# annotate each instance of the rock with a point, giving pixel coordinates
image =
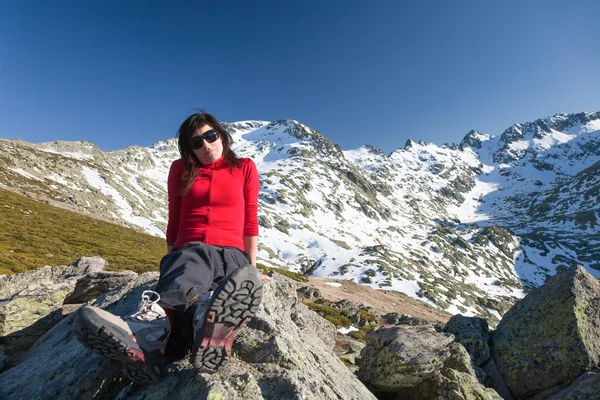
(473, 333)
(368, 309)
(11, 284)
(310, 293)
(70, 308)
(416, 362)
(91, 285)
(551, 336)
(403, 319)
(493, 379)
(402, 356)
(392, 318)
(284, 353)
(348, 350)
(346, 307)
(586, 387)
(28, 312)
(30, 303)
(83, 266)
(457, 386)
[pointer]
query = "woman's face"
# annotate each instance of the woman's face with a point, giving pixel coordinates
(209, 152)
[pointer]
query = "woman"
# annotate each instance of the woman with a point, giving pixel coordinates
(206, 281)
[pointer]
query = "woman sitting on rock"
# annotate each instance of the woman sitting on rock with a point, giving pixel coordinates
(207, 285)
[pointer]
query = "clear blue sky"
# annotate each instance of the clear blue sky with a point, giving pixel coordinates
(119, 73)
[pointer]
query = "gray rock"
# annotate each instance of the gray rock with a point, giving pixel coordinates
(403, 319)
(346, 307)
(586, 387)
(348, 350)
(30, 302)
(310, 292)
(91, 285)
(402, 356)
(355, 318)
(456, 380)
(473, 333)
(392, 318)
(416, 362)
(551, 336)
(83, 266)
(284, 353)
(493, 379)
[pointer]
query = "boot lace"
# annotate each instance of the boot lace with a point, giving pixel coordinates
(148, 310)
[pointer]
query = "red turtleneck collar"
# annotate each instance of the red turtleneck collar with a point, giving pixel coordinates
(215, 164)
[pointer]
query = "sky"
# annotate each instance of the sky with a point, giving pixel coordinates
(123, 73)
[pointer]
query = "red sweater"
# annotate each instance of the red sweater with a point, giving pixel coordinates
(220, 208)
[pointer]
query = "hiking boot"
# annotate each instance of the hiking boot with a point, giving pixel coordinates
(219, 317)
(137, 341)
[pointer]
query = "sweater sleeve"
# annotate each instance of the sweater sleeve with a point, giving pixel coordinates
(251, 188)
(174, 200)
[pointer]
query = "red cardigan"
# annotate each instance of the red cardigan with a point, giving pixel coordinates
(220, 208)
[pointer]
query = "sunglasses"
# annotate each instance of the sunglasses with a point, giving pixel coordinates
(198, 141)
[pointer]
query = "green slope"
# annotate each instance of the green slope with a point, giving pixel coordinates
(34, 234)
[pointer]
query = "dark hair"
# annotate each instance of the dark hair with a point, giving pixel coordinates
(191, 162)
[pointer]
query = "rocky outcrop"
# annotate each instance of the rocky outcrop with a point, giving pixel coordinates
(552, 336)
(545, 347)
(586, 387)
(402, 356)
(403, 319)
(92, 285)
(473, 333)
(285, 352)
(416, 362)
(30, 302)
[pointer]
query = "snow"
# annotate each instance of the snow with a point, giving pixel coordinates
(25, 173)
(345, 331)
(76, 155)
(409, 288)
(520, 145)
(58, 179)
(334, 284)
(470, 210)
(125, 210)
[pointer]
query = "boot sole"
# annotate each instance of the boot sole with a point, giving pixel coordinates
(113, 343)
(234, 303)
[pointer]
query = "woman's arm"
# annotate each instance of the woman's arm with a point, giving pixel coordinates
(251, 189)
(250, 245)
(174, 202)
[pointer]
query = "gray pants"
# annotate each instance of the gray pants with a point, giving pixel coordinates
(189, 271)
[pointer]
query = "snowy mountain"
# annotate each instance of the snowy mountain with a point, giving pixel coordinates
(467, 228)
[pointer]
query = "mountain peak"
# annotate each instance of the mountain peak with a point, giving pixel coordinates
(374, 150)
(473, 139)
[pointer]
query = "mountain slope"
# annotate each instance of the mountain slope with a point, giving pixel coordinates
(467, 228)
(35, 234)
